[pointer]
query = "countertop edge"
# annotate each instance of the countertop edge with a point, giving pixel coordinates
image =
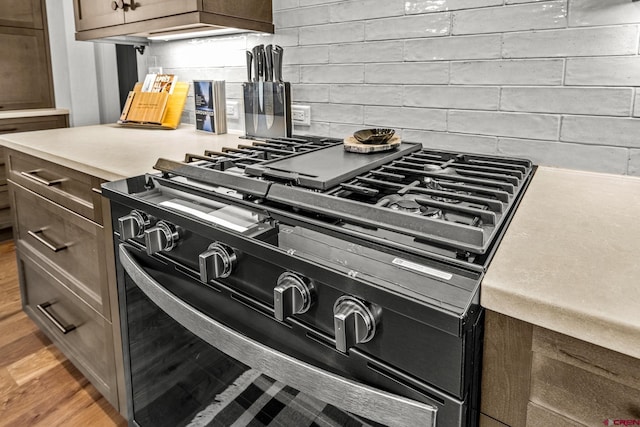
(62, 161)
(607, 333)
(35, 112)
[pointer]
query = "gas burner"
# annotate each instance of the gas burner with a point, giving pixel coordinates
(433, 184)
(405, 205)
(439, 169)
(433, 213)
(408, 204)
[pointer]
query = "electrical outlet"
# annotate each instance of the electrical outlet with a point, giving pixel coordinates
(232, 110)
(301, 115)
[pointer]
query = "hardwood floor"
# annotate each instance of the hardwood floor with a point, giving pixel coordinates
(38, 385)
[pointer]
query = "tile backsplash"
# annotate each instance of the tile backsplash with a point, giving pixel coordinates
(552, 80)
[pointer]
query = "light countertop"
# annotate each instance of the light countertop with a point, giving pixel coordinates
(35, 112)
(114, 152)
(569, 260)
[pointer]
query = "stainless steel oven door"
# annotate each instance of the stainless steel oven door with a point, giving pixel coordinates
(303, 393)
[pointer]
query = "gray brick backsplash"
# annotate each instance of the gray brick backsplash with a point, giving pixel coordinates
(339, 130)
(332, 33)
(338, 113)
(452, 48)
(381, 51)
(366, 94)
(465, 97)
(510, 72)
(307, 55)
(310, 93)
(622, 132)
(429, 6)
(611, 71)
(408, 73)
(594, 101)
(572, 42)
(284, 4)
(564, 155)
(452, 141)
(520, 125)
(431, 25)
(602, 12)
(550, 80)
(357, 10)
(302, 17)
(535, 16)
(316, 2)
(411, 118)
(634, 162)
(332, 73)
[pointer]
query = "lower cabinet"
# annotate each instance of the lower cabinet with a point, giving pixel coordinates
(64, 265)
(80, 332)
(536, 377)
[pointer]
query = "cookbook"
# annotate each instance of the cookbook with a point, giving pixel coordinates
(210, 106)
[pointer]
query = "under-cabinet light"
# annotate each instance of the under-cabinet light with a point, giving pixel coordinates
(194, 34)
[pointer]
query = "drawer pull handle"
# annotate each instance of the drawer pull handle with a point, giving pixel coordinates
(32, 175)
(37, 235)
(96, 190)
(61, 327)
(8, 129)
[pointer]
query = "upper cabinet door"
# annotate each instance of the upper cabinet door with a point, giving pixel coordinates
(92, 14)
(21, 13)
(150, 9)
(26, 77)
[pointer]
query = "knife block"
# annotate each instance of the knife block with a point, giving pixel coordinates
(267, 109)
(154, 110)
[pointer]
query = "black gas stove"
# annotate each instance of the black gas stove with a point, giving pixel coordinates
(363, 266)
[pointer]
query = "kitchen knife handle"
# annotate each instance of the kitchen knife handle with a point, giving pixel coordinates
(261, 65)
(256, 63)
(268, 51)
(249, 64)
(277, 64)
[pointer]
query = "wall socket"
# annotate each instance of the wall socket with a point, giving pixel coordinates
(301, 115)
(232, 110)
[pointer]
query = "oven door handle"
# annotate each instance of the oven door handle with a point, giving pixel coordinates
(371, 403)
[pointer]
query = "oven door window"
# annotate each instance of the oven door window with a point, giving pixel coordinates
(177, 379)
(186, 369)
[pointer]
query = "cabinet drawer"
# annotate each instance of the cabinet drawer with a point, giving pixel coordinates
(67, 187)
(26, 124)
(3, 171)
(77, 330)
(4, 196)
(71, 246)
(5, 218)
(582, 381)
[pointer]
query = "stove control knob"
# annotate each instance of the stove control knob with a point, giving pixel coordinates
(292, 295)
(133, 225)
(163, 237)
(217, 262)
(354, 322)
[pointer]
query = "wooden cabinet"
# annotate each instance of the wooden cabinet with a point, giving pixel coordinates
(97, 19)
(20, 124)
(25, 69)
(536, 377)
(62, 256)
(91, 14)
(21, 13)
(24, 48)
(5, 210)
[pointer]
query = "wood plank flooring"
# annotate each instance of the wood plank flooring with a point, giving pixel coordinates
(38, 385)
